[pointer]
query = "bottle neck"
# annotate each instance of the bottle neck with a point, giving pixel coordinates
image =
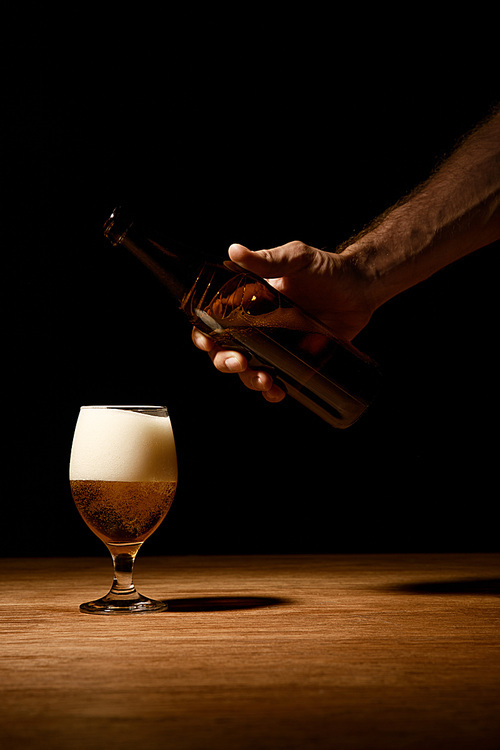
(175, 267)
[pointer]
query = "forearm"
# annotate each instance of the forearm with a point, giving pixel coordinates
(454, 213)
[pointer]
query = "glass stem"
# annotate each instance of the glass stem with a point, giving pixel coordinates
(123, 565)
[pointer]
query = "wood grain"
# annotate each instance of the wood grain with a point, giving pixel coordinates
(385, 651)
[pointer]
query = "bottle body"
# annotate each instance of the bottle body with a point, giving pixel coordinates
(242, 311)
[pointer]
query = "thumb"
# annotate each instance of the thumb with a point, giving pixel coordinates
(279, 261)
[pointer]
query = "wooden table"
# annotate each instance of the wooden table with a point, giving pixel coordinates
(309, 652)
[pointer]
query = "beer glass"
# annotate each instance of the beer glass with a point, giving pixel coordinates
(123, 477)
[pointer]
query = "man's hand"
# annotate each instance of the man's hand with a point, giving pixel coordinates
(318, 281)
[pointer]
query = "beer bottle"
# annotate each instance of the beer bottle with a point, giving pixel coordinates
(242, 312)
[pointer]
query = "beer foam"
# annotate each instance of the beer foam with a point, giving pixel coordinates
(121, 445)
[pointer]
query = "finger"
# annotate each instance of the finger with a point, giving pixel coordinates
(256, 380)
(274, 394)
(201, 341)
(278, 261)
(226, 360)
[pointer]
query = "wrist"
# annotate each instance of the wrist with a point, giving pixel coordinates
(372, 264)
(406, 246)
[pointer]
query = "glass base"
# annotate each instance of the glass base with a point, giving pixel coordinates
(109, 605)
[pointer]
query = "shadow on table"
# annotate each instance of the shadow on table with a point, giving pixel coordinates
(480, 586)
(222, 603)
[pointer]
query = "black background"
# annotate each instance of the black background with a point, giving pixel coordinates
(235, 129)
